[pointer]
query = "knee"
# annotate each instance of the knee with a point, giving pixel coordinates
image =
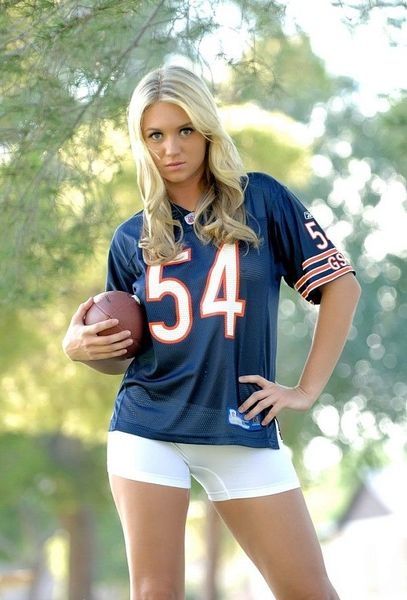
(155, 595)
(322, 591)
(318, 588)
(155, 590)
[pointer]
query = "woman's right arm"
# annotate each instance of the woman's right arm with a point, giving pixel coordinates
(102, 353)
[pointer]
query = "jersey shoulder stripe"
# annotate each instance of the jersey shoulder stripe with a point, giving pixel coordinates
(311, 274)
(330, 277)
(330, 260)
(318, 257)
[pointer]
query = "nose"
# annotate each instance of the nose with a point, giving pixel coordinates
(171, 146)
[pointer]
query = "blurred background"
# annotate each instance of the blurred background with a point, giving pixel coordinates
(313, 93)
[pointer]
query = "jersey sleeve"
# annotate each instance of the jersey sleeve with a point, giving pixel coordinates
(120, 269)
(308, 257)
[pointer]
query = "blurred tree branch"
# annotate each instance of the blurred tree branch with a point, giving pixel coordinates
(354, 15)
(68, 70)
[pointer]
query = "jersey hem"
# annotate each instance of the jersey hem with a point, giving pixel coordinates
(195, 439)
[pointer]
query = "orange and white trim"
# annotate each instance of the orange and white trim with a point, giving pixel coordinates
(332, 264)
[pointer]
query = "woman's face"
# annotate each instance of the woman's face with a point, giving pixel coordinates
(178, 150)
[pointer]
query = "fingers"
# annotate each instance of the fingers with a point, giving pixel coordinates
(106, 340)
(84, 342)
(266, 402)
(258, 408)
(258, 401)
(273, 412)
(274, 397)
(104, 348)
(261, 381)
(254, 400)
(115, 354)
(95, 348)
(81, 311)
(102, 326)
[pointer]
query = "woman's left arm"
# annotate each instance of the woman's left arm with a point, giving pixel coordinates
(338, 303)
(337, 307)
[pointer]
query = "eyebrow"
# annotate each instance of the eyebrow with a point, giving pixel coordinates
(158, 129)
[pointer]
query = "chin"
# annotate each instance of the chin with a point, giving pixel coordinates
(176, 177)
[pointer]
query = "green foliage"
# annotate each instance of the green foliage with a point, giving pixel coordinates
(45, 477)
(69, 68)
(260, 150)
(368, 388)
(110, 563)
(283, 73)
(392, 13)
(18, 338)
(392, 142)
(60, 67)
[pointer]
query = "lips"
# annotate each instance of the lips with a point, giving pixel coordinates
(175, 164)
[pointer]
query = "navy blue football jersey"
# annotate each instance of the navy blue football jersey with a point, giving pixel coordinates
(212, 316)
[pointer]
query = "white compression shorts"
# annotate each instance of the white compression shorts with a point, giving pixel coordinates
(224, 471)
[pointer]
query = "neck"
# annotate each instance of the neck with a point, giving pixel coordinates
(187, 193)
(187, 204)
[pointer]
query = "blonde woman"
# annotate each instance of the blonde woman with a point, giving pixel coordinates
(206, 256)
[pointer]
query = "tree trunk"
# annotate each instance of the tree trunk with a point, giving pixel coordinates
(79, 526)
(42, 584)
(213, 539)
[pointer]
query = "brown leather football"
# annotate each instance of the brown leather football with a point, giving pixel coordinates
(125, 308)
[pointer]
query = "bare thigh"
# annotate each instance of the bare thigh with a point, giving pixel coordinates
(153, 519)
(277, 533)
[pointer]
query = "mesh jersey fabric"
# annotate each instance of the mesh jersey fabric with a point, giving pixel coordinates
(212, 317)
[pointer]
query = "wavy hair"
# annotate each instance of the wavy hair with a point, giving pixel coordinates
(220, 215)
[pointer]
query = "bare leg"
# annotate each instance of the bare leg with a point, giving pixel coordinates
(153, 519)
(277, 533)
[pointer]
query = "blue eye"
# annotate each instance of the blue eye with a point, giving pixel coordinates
(156, 135)
(185, 131)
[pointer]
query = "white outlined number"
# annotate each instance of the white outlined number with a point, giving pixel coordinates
(224, 273)
(317, 235)
(158, 286)
(225, 270)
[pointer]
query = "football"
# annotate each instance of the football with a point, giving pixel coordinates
(127, 309)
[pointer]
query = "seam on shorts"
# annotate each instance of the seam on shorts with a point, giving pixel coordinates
(151, 478)
(255, 492)
(180, 450)
(212, 473)
(183, 455)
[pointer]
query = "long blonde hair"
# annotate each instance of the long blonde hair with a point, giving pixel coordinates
(220, 215)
